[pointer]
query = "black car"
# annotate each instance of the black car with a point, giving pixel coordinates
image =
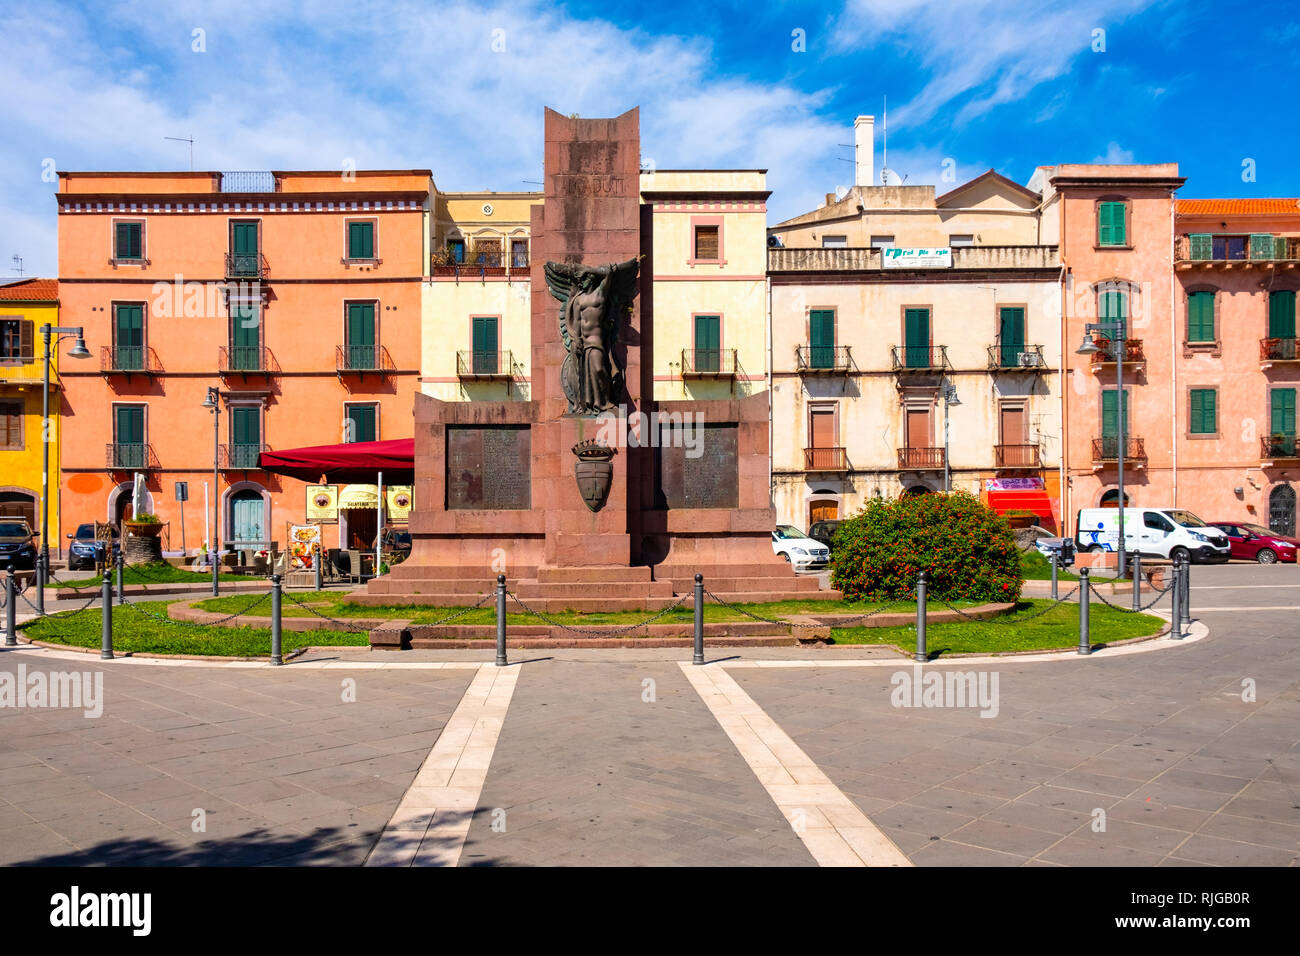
(85, 552)
(824, 531)
(17, 545)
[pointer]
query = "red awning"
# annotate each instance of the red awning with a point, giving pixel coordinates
(1036, 501)
(351, 462)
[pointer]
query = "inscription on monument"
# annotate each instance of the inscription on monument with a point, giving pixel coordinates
(489, 468)
(704, 476)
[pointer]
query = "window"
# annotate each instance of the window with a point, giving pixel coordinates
(708, 243)
(245, 250)
(1112, 224)
(1157, 522)
(1200, 317)
(16, 346)
(360, 346)
(519, 253)
(708, 341)
(245, 435)
(128, 241)
(11, 425)
(835, 242)
(1229, 247)
(245, 335)
(1204, 416)
(1112, 307)
(128, 336)
(1281, 314)
(361, 423)
(882, 242)
(128, 436)
(486, 357)
(1110, 422)
(961, 240)
(821, 338)
(1011, 335)
(361, 239)
(1282, 421)
(916, 338)
(486, 252)
(456, 250)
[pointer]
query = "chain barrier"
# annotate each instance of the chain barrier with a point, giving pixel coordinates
(602, 632)
(839, 622)
(221, 620)
(349, 626)
(461, 613)
(1160, 593)
(1020, 620)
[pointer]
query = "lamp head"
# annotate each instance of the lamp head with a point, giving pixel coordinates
(79, 349)
(1089, 347)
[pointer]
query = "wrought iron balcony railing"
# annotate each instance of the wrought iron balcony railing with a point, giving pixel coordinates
(920, 459)
(133, 456)
(485, 364)
(825, 459)
(1016, 456)
(128, 359)
(708, 363)
(1273, 447)
(240, 455)
(246, 265)
(1278, 350)
(1028, 358)
(919, 358)
(1106, 448)
(1132, 351)
(362, 358)
(246, 359)
(1259, 247)
(823, 358)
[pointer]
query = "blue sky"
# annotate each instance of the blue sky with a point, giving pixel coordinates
(403, 84)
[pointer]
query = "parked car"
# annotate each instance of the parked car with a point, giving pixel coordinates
(1253, 542)
(1160, 532)
(85, 552)
(799, 549)
(17, 545)
(824, 531)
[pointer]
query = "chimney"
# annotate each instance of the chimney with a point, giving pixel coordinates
(864, 151)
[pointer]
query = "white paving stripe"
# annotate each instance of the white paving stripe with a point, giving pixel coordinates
(830, 825)
(430, 824)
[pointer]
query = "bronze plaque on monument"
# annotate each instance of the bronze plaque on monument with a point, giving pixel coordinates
(489, 468)
(699, 466)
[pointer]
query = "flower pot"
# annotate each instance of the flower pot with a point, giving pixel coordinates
(143, 529)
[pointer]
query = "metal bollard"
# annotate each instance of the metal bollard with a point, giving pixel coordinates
(11, 610)
(699, 620)
(1055, 596)
(42, 578)
(106, 614)
(1137, 581)
(276, 656)
(921, 655)
(121, 591)
(1085, 645)
(316, 563)
(1187, 597)
(501, 621)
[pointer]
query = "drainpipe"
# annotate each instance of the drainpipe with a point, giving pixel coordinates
(1061, 478)
(1173, 348)
(771, 396)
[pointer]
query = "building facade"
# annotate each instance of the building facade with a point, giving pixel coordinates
(297, 296)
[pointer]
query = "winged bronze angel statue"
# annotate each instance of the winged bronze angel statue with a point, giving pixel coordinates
(594, 303)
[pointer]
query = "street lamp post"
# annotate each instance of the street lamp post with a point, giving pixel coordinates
(213, 403)
(52, 335)
(1117, 334)
(950, 399)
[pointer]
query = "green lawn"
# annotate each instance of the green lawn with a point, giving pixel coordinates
(1055, 629)
(135, 631)
(152, 574)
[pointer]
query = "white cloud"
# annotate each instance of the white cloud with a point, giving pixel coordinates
(1115, 155)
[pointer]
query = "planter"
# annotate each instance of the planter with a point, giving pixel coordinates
(143, 529)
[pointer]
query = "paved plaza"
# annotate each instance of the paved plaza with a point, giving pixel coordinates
(765, 757)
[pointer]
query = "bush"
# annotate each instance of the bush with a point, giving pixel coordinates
(967, 549)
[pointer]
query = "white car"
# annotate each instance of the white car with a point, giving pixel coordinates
(799, 549)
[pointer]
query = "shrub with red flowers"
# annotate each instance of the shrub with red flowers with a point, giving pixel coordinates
(967, 548)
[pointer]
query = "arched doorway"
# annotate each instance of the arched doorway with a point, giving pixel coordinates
(247, 516)
(1111, 499)
(19, 504)
(1281, 510)
(918, 490)
(119, 503)
(822, 509)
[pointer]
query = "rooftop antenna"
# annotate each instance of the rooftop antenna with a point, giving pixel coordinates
(183, 139)
(884, 137)
(18, 264)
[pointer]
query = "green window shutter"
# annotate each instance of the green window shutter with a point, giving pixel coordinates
(1202, 246)
(245, 426)
(361, 420)
(245, 336)
(1262, 246)
(1281, 314)
(1113, 307)
(708, 339)
(243, 238)
(128, 337)
(361, 240)
(130, 425)
(916, 337)
(1011, 334)
(1204, 412)
(1282, 412)
(361, 351)
(1111, 229)
(485, 358)
(821, 338)
(1200, 317)
(128, 241)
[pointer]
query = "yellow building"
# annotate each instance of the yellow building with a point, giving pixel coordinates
(25, 306)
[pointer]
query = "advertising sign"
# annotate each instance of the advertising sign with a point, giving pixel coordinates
(399, 502)
(323, 503)
(898, 258)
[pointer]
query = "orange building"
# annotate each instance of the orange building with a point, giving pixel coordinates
(297, 295)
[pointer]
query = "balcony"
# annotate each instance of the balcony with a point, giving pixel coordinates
(485, 365)
(247, 360)
(481, 266)
(860, 259)
(1276, 350)
(1106, 449)
(239, 456)
(360, 359)
(1278, 450)
(128, 360)
(1133, 354)
(825, 459)
(823, 359)
(1016, 456)
(130, 456)
(920, 459)
(1017, 358)
(919, 358)
(708, 363)
(1205, 250)
(242, 267)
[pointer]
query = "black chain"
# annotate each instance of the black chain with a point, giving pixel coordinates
(841, 622)
(603, 632)
(1020, 620)
(362, 630)
(219, 621)
(1138, 610)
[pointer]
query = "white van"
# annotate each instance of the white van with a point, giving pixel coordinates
(1159, 532)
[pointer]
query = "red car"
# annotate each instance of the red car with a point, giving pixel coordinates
(1254, 542)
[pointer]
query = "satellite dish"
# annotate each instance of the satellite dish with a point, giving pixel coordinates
(841, 192)
(890, 178)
